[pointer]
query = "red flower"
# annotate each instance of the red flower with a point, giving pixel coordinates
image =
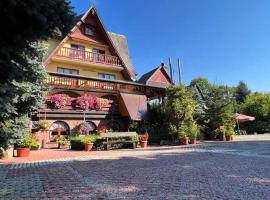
(102, 129)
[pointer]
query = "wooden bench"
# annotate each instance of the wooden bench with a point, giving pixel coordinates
(109, 137)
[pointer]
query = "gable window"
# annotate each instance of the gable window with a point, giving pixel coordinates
(106, 76)
(89, 30)
(67, 71)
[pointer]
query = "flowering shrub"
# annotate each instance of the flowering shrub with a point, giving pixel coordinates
(91, 103)
(60, 100)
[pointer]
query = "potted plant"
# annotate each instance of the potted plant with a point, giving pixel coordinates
(43, 124)
(61, 141)
(183, 131)
(229, 134)
(89, 141)
(135, 138)
(184, 139)
(144, 139)
(23, 147)
(193, 133)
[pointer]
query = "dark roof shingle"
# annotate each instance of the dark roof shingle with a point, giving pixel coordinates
(120, 43)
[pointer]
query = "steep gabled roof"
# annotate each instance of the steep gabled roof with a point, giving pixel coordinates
(120, 43)
(114, 42)
(156, 77)
(144, 78)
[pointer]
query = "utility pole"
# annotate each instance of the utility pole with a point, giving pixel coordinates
(171, 70)
(179, 72)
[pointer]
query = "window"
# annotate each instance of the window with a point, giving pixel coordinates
(98, 51)
(89, 30)
(77, 51)
(67, 71)
(78, 47)
(98, 55)
(106, 76)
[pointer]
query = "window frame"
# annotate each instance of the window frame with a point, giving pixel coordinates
(90, 28)
(109, 76)
(68, 71)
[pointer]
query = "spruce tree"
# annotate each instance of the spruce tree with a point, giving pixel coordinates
(25, 24)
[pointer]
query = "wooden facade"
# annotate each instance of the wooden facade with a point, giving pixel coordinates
(92, 62)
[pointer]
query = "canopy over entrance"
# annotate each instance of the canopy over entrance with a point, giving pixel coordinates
(243, 118)
(133, 105)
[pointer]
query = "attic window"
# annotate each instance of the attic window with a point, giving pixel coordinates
(89, 30)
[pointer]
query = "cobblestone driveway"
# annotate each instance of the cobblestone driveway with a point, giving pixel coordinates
(237, 170)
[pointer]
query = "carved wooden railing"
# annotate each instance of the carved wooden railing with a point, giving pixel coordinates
(88, 56)
(86, 83)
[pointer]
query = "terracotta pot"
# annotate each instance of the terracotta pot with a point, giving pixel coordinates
(193, 141)
(23, 152)
(88, 146)
(232, 137)
(143, 144)
(59, 129)
(229, 137)
(184, 141)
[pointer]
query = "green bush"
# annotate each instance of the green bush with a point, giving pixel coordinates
(193, 131)
(77, 143)
(43, 124)
(135, 138)
(28, 141)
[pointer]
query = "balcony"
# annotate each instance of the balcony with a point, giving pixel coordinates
(87, 56)
(73, 82)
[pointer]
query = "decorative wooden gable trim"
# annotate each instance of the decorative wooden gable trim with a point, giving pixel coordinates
(159, 77)
(104, 39)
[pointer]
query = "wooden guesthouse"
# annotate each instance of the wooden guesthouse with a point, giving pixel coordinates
(92, 79)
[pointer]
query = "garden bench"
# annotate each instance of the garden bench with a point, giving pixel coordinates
(111, 138)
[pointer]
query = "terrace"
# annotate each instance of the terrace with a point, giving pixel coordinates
(86, 56)
(75, 82)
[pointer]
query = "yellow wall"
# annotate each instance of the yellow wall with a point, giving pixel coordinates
(84, 70)
(91, 71)
(88, 47)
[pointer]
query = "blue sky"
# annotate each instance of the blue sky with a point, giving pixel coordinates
(222, 40)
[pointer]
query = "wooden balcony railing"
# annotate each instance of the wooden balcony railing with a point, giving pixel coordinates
(88, 83)
(88, 56)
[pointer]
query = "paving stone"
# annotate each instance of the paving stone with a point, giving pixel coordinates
(212, 170)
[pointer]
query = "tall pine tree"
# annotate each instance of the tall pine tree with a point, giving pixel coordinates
(24, 24)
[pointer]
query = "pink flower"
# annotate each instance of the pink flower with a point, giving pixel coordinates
(60, 100)
(91, 102)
